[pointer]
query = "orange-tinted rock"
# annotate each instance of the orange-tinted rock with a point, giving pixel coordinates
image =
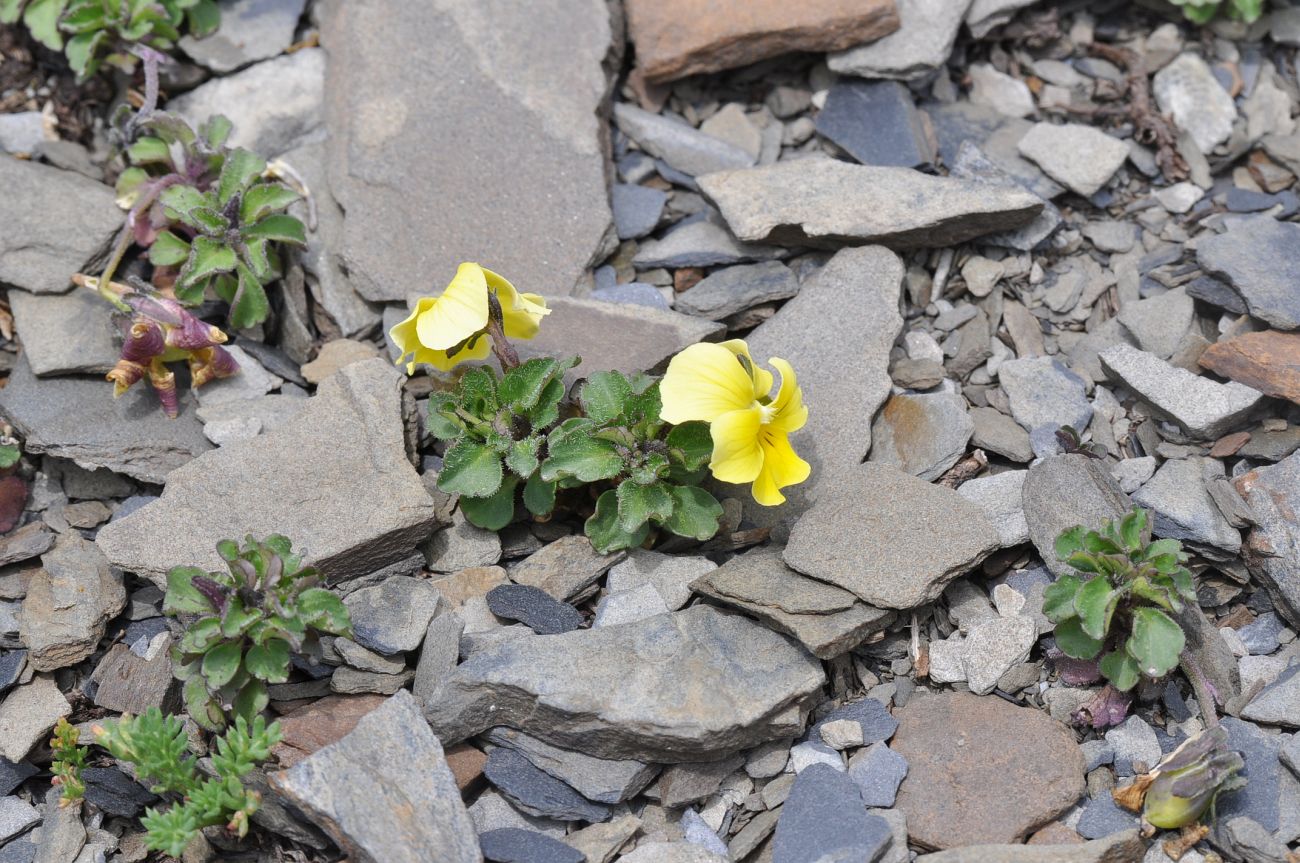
(319, 724)
(676, 38)
(982, 771)
(466, 765)
(1229, 444)
(1269, 361)
(1056, 833)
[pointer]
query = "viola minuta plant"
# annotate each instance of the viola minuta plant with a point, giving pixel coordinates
(629, 451)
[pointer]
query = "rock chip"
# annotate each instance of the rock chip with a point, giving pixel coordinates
(676, 38)
(701, 243)
(725, 292)
(1267, 361)
(57, 223)
(533, 607)
(69, 602)
(998, 432)
(251, 30)
(132, 683)
(1188, 90)
(827, 203)
(1278, 703)
(537, 792)
(65, 333)
(335, 355)
(392, 616)
(1160, 323)
(878, 771)
(1062, 491)
(910, 538)
(1272, 549)
(509, 101)
(876, 122)
(671, 852)
(283, 482)
(515, 845)
(1043, 392)
(1261, 798)
(985, 15)
(601, 780)
(982, 771)
(994, 647)
(1250, 257)
(22, 132)
(1001, 496)
(922, 42)
(637, 209)
(1183, 509)
(825, 819)
(669, 575)
(1116, 848)
(1080, 157)
(923, 434)
(1000, 91)
(27, 714)
(682, 146)
(566, 569)
(645, 699)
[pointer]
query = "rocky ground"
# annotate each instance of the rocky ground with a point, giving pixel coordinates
(966, 225)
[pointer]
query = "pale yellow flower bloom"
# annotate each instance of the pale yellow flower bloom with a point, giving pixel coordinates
(720, 384)
(451, 328)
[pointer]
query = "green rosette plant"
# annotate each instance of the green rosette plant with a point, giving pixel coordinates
(243, 626)
(1118, 607)
(1203, 11)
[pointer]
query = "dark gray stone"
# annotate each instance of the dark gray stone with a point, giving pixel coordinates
(1255, 257)
(1063, 491)
(114, 792)
(636, 209)
(727, 291)
(971, 163)
(13, 774)
(534, 608)
(681, 784)
(392, 616)
(1253, 843)
(877, 123)
(1259, 799)
(824, 818)
(18, 851)
(997, 136)
(1272, 548)
(600, 780)
(1210, 290)
(701, 243)
(878, 771)
(876, 721)
(1260, 636)
(516, 845)
(633, 294)
(537, 792)
(1101, 818)
(12, 663)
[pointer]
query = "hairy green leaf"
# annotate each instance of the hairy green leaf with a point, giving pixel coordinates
(690, 445)
(1095, 603)
(1120, 669)
(182, 597)
(522, 456)
(638, 504)
(323, 610)
(539, 495)
(471, 469)
(238, 172)
(495, 511)
(1074, 642)
(42, 20)
(221, 664)
(1058, 598)
(278, 228)
(169, 250)
(269, 661)
(585, 458)
(1069, 542)
(695, 513)
(1155, 642)
(604, 394)
(521, 387)
(603, 528)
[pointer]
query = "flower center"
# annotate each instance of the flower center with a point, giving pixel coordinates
(768, 413)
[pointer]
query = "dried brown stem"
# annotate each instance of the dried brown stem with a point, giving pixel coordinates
(1150, 126)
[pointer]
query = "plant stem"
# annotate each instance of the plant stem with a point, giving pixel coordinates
(496, 329)
(1200, 686)
(110, 291)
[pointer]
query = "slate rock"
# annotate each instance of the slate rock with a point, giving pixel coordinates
(1187, 90)
(636, 209)
(537, 792)
(13, 774)
(78, 419)
(626, 606)
(727, 291)
(27, 714)
(514, 845)
(701, 243)
(461, 546)
(985, 15)
(1133, 741)
(682, 784)
(682, 146)
(600, 780)
(1272, 549)
(22, 132)
(57, 223)
(65, 333)
(348, 528)
(533, 607)
(69, 602)
(671, 852)
(1080, 157)
(999, 433)
(115, 793)
(922, 42)
(384, 792)
(1261, 797)
(1160, 323)
(509, 100)
(972, 163)
(910, 538)
(251, 30)
(26, 542)
(1000, 91)
(1267, 361)
(12, 664)
(1250, 840)
(878, 771)
(1249, 256)
(1102, 817)
(16, 816)
(994, 647)
(392, 616)
(670, 575)
(998, 137)
(827, 203)
(872, 716)
(982, 771)
(1178, 497)
(1001, 496)
(729, 34)
(876, 122)
(625, 707)
(923, 434)
(566, 569)
(825, 819)
(1261, 635)
(131, 683)
(1205, 409)
(1065, 490)
(1278, 703)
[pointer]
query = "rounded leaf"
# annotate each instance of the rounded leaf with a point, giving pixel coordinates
(1074, 642)
(1095, 603)
(1120, 669)
(269, 661)
(471, 469)
(221, 664)
(1155, 642)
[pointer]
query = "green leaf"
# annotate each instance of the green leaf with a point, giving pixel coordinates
(603, 396)
(695, 513)
(1120, 669)
(321, 609)
(201, 635)
(643, 409)
(251, 700)
(690, 445)
(216, 130)
(478, 392)
(207, 256)
(1162, 594)
(522, 386)
(169, 250)
(494, 512)
(522, 456)
(443, 423)
(221, 664)
(1131, 527)
(1074, 642)
(471, 469)
(1069, 542)
(182, 596)
(1084, 562)
(182, 201)
(202, 707)
(1184, 584)
(149, 150)
(1058, 598)
(80, 52)
(10, 10)
(638, 504)
(539, 495)
(9, 455)
(42, 20)
(1155, 642)
(585, 458)
(263, 199)
(603, 529)
(547, 409)
(269, 661)
(204, 17)
(1098, 544)
(82, 18)
(1095, 603)
(249, 306)
(241, 168)
(237, 618)
(279, 228)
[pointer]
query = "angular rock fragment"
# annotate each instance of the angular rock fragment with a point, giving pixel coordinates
(251, 30)
(827, 203)
(65, 333)
(646, 697)
(1001, 496)
(922, 42)
(1062, 491)
(876, 122)
(1256, 258)
(27, 714)
(923, 434)
(566, 569)
(392, 617)
(598, 779)
(1179, 498)
(1272, 549)
(1125, 845)
(69, 602)
(1268, 361)
(1188, 90)
(680, 145)
(701, 243)
(724, 292)
(1080, 157)
(825, 819)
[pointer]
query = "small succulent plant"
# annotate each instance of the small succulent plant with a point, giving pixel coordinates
(1203, 11)
(244, 625)
(1118, 606)
(156, 745)
(69, 760)
(104, 31)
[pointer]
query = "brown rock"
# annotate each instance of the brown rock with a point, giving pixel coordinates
(1229, 444)
(1055, 833)
(469, 583)
(25, 543)
(1123, 847)
(321, 723)
(334, 356)
(132, 684)
(1268, 361)
(981, 771)
(466, 765)
(676, 38)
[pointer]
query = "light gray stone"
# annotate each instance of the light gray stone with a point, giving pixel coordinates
(462, 545)
(69, 602)
(1132, 473)
(724, 292)
(1183, 509)
(392, 616)
(627, 606)
(1001, 498)
(384, 791)
(1043, 392)
(283, 481)
(670, 575)
(1272, 549)
(22, 132)
(1062, 491)
(671, 852)
(984, 15)
(923, 434)
(27, 714)
(626, 707)
(438, 654)
(1160, 323)
(1080, 157)
(65, 334)
(973, 164)
(636, 209)
(1133, 741)
(922, 42)
(1000, 91)
(993, 647)
(1187, 90)
(16, 816)
(1279, 703)
(1251, 255)
(687, 149)
(1001, 434)
(701, 243)
(878, 771)
(250, 30)
(828, 203)
(567, 569)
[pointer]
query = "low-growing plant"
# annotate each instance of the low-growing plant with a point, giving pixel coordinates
(1118, 608)
(243, 626)
(103, 32)
(1203, 11)
(69, 760)
(156, 745)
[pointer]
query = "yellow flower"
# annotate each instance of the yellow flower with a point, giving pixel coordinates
(720, 384)
(452, 328)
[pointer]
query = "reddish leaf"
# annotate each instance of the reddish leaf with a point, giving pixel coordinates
(13, 497)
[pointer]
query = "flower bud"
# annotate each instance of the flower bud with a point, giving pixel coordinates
(144, 341)
(1189, 780)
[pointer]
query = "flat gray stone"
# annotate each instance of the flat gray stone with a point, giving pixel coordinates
(27, 713)
(537, 792)
(78, 419)
(876, 122)
(69, 602)
(276, 105)
(22, 132)
(827, 203)
(1160, 323)
(533, 607)
(57, 223)
(627, 606)
(825, 819)
(1250, 256)
(636, 209)
(1079, 157)
(878, 771)
(16, 816)
(1000, 91)
(997, 136)
(462, 545)
(392, 616)
(65, 333)
(984, 15)
(1278, 703)
(972, 163)
(669, 575)
(727, 291)
(637, 702)
(1187, 90)
(384, 791)
(1062, 491)
(601, 780)
(993, 647)
(680, 145)
(1043, 392)
(671, 852)
(1001, 434)
(515, 845)
(1183, 509)
(567, 569)
(921, 43)
(682, 784)
(251, 30)
(1204, 408)
(1261, 798)
(909, 540)
(510, 102)
(1001, 496)
(701, 243)
(284, 482)
(1272, 549)
(923, 434)
(438, 654)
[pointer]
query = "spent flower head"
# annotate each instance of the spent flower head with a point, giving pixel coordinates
(1186, 784)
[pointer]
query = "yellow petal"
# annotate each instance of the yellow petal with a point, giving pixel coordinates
(480, 350)
(404, 334)
(523, 320)
(737, 456)
(781, 467)
(458, 313)
(788, 411)
(704, 382)
(761, 377)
